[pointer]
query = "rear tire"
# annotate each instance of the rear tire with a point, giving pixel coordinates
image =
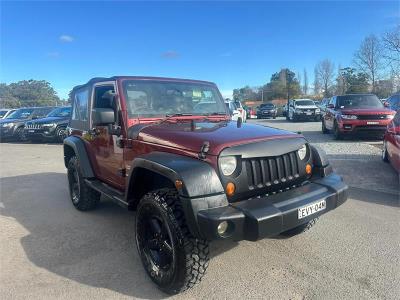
(171, 256)
(300, 229)
(82, 196)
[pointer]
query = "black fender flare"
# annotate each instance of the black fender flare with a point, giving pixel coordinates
(201, 189)
(320, 161)
(78, 146)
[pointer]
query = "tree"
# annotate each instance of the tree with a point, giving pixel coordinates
(391, 53)
(354, 82)
(283, 84)
(369, 58)
(305, 81)
(28, 93)
(340, 82)
(246, 93)
(325, 74)
(7, 100)
(317, 82)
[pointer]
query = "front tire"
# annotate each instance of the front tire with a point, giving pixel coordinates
(324, 129)
(300, 229)
(60, 134)
(19, 133)
(83, 197)
(336, 132)
(171, 256)
(385, 156)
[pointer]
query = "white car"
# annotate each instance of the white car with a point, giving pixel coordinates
(303, 109)
(241, 109)
(233, 110)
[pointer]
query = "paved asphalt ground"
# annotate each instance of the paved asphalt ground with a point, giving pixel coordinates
(49, 250)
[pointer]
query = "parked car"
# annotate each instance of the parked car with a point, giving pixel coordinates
(303, 109)
(280, 110)
(266, 110)
(356, 114)
(393, 102)
(4, 112)
(192, 176)
(285, 110)
(12, 127)
(323, 104)
(233, 110)
(240, 108)
(391, 143)
(52, 127)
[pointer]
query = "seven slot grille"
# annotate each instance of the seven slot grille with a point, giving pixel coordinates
(33, 126)
(267, 171)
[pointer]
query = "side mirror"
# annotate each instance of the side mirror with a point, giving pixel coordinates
(386, 104)
(103, 116)
(330, 106)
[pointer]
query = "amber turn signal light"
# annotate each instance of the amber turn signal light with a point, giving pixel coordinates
(308, 169)
(230, 189)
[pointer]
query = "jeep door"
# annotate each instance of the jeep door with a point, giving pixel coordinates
(108, 156)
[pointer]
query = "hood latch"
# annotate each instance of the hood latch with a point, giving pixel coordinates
(204, 150)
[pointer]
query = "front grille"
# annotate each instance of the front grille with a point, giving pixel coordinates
(267, 171)
(33, 126)
(372, 117)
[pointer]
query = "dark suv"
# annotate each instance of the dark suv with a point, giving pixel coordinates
(52, 127)
(266, 110)
(167, 149)
(12, 127)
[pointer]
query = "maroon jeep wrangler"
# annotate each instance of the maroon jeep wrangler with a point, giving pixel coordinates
(168, 149)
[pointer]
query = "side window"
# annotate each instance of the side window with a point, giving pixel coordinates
(80, 111)
(99, 100)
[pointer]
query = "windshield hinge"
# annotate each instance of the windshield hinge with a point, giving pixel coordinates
(204, 150)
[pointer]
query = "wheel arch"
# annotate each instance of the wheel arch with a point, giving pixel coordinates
(74, 146)
(157, 170)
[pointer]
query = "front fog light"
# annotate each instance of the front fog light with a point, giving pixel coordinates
(222, 228)
(302, 152)
(228, 165)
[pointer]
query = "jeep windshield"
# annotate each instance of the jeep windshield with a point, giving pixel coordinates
(22, 113)
(62, 112)
(153, 99)
(359, 101)
(304, 103)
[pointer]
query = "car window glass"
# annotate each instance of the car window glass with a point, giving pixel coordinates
(81, 105)
(99, 100)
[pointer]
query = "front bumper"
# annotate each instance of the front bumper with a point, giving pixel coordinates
(258, 218)
(7, 132)
(42, 133)
(363, 126)
(307, 115)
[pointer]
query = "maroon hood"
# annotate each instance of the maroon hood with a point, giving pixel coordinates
(366, 111)
(191, 135)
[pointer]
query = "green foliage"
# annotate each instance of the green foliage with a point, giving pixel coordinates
(354, 82)
(283, 84)
(28, 93)
(246, 93)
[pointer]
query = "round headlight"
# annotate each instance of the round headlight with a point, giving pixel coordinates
(302, 152)
(228, 165)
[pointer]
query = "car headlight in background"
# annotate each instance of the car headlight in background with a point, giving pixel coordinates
(49, 125)
(8, 125)
(349, 117)
(389, 117)
(228, 165)
(317, 110)
(302, 152)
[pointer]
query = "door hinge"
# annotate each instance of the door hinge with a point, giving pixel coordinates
(122, 172)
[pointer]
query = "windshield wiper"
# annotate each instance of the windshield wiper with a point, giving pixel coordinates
(215, 114)
(178, 115)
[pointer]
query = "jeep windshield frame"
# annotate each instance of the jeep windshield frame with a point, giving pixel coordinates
(160, 98)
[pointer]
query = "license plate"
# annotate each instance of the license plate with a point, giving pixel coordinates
(31, 131)
(311, 209)
(372, 123)
(308, 113)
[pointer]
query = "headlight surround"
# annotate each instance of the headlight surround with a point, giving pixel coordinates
(49, 125)
(317, 110)
(389, 117)
(227, 165)
(302, 152)
(349, 117)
